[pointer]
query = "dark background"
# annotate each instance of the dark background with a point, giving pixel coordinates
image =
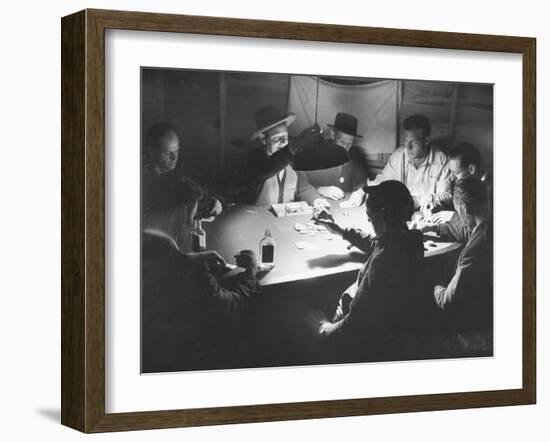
(213, 113)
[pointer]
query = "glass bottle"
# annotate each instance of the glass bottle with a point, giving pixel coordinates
(267, 249)
(198, 237)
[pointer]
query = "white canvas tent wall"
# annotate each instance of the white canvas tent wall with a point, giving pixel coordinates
(457, 111)
(374, 105)
(214, 113)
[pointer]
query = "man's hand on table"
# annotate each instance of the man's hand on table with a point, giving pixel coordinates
(428, 227)
(356, 198)
(216, 207)
(331, 226)
(321, 203)
(214, 261)
(430, 224)
(331, 192)
(444, 216)
(247, 260)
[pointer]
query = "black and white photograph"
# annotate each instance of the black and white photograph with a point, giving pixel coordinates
(295, 220)
(243, 221)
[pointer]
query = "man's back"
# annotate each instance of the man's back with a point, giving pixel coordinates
(186, 313)
(387, 304)
(389, 282)
(473, 300)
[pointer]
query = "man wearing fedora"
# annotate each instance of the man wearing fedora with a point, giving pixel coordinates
(334, 182)
(269, 176)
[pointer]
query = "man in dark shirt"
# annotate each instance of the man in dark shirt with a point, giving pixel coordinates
(269, 177)
(333, 183)
(162, 155)
(464, 162)
(468, 297)
(381, 306)
(188, 315)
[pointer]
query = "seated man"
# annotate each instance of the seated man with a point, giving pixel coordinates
(382, 304)
(187, 314)
(162, 155)
(161, 149)
(333, 183)
(464, 162)
(468, 297)
(269, 176)
(421, 167)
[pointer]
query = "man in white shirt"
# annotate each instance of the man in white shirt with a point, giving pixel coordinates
(421, 167)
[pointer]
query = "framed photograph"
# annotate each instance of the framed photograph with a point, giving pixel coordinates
(269, 220)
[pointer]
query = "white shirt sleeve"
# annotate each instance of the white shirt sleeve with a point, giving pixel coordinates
(392, 169)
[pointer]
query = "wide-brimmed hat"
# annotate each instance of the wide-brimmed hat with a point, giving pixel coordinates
(268, 117)
(345, 123)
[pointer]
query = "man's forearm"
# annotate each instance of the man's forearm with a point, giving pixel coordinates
(235, 295)
(305, 191)
(359, 239)
(453, 231)
(273, 164)
(444, 296)
(442, 199)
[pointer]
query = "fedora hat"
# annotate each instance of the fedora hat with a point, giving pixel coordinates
(268, 117)
(345, 123)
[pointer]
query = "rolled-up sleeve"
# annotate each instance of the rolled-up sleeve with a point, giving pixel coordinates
(454, 230)
(359, 239)
(304, 190)
(392, 170)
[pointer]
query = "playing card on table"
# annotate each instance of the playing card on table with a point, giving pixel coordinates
(304, 245)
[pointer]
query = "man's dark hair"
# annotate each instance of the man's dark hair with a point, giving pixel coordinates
(415, 122)
(154, 134)
(472, 192)
(170, 191)
(467, 154)
(393, 198)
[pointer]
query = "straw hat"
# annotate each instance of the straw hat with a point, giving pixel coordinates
(269, 117)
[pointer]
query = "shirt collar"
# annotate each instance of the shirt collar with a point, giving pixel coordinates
(427, 161)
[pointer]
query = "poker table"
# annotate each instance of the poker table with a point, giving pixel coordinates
(298, 255)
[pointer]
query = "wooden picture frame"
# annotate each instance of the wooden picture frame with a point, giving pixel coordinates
(83, 220)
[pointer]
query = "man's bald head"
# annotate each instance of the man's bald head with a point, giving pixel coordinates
(162, 147)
